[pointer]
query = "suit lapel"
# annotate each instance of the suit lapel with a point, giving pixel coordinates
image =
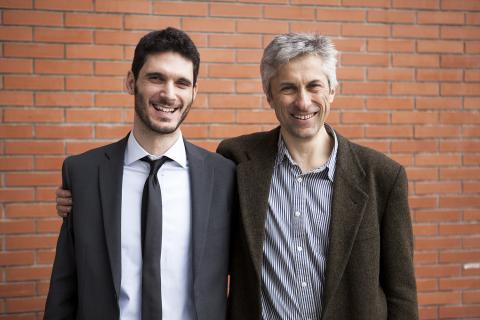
(201, 184)
(111, 176)
(348, 204)
(254, 177)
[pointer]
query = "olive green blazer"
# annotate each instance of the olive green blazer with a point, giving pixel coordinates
(369, 273)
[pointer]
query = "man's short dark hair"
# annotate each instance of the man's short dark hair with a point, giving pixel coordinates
(166, 40)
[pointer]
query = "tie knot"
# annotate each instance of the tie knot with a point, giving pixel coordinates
(155, 164)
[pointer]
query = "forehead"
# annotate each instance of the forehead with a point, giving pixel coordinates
(308, 67)
(168, 63)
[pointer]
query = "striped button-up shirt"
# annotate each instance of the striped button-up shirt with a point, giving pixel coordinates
(296, 237)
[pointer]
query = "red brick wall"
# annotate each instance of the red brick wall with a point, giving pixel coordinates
(410, 87)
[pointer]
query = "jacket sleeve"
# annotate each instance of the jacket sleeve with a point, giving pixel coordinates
(397, 271)
(62, 296)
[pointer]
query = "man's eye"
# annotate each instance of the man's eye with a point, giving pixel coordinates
(287, 90)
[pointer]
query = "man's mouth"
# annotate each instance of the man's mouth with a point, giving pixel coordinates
(163, 108)
(304, 116)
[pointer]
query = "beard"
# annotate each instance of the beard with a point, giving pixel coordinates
(141, 109)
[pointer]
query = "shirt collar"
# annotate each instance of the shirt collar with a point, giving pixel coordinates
(283, 154)
(135, 152)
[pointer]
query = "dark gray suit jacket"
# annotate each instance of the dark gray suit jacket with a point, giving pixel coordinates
(86, 275)
(369, 273)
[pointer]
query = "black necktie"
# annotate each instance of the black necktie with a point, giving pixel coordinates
(152, 243)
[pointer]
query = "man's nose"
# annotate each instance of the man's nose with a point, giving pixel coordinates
(303, 100)
(168, 90)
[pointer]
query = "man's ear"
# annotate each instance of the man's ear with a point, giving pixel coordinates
(331, 96)
(130, 83)
(195, 90)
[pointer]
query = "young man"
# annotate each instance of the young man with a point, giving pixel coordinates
(148, 237)
(324, 230)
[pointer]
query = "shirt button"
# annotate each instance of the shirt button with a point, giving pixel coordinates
(299, 179)
(297, 213)
(304, 284)
(299, 248)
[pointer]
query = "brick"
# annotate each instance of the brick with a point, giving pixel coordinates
(216, 86)
(32, 273)
(460, 283)
(381, 146)
(95, 83)
(463, 61)
(217, 55)
(414, 146)
(63, 99)
(471, 297)
(49, 226)
(471, 131)
(438, 187)
(235, 10)
(394, 74)
(459, 33)
(426, 285)
(439, 46)
(256, 26)
(117, 68)
(389, 103)
(16, 163)
(391, 16)
(351, 131)
(418, 117)
(473, 18)
(249, 56)
(232, 71)
(16, 258)
(425, 257)
(113, 100)
(38, 210)
(460, 146)
(422, 202)
(471, 103)
(437, 215)
(17, 289)
(16, 66)
(36, 18)
(438, 103)
(424, 229)
(417, 32)
(347, 15)
(346, 45)
(365, 117)
(36, 50)
(45, 257)
(94, 52)
(460, 173)
(471, 159)
(33, 115)
(439, 298)
(303, 2)
(32, 179)
(389, 131)
(351, 73)
(460, 5)
(48, 163)
(16, 131)
(439, 75)
(34, 147)
(18, 4)
(436, 132)
(421, 89)
(248, 86)
(183, 8)
(365, 30)
(90, 20)
(76, 147)
(30, 242)
(80, 5)
(227, 131)
(439, 17)
(348, 103)
(94, 115)
(15, 195)
(149, 22)
(365, 59)
(113, 132)
(63, 35)
(291, 13)
(367, 3)
(377, 45)
(256, 117)
(64, 131)
(460, 89)
(13, 227)
(33, 82)
(210, 116)
(123, 6)
(25, 304)
(326, 28)
(365, 88)
(63, 67)
(235, 101)
(117, 37)
(416, 60)
(471, 187)
(427, 313)
(15, 33)
(472, 75)
(208, 25)
(234, 41)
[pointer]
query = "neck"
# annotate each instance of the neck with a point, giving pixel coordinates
(310, 153)
(154, 143)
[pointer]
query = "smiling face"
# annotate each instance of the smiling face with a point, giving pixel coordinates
(164, 92)
(301, 97)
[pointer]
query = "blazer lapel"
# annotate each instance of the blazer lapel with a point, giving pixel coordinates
(111, 176)
(201, 184)
(348, 204)
(254, 177)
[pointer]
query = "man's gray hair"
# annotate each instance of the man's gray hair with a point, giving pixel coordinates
(286, 47)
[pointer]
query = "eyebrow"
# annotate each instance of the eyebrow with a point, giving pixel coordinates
(183, 79)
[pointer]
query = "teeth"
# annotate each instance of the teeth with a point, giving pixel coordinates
(303, 116)
(162, 108)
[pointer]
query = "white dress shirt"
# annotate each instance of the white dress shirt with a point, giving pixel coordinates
(176, 257)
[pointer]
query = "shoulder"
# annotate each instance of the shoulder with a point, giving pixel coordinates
(94, 156)
(215, 159)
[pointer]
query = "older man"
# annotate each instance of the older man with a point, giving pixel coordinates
(324, 230)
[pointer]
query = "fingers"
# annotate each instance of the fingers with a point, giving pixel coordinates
(63, 211)
(64, 202)
(63, 193)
